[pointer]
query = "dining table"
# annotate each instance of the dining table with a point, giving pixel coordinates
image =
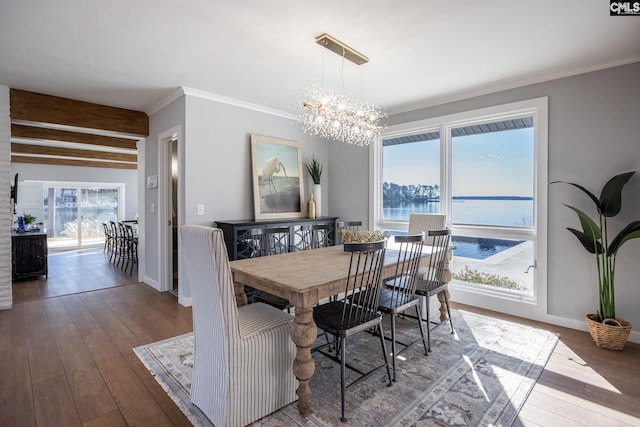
(305, 278)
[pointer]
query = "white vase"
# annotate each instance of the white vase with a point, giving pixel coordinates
(316, 197)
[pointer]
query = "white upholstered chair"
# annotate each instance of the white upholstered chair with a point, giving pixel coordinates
(243, 357)
(424, 222)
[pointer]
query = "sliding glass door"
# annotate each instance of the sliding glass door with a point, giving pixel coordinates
(74, 214)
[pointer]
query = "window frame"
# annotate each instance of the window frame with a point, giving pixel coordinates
(535, 306)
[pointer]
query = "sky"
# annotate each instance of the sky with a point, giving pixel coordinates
(490, 164)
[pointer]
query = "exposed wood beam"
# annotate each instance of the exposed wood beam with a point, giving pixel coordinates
(72, 152)
(35, 107)
(70, 162)
(32, 132)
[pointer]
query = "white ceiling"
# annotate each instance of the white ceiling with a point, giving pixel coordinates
(134, 53)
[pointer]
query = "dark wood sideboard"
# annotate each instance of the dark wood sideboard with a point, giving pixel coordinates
(28, 254)
(237, 233)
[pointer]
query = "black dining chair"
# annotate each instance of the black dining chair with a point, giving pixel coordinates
(267, 242)
(349, 316)
(430, 280)
(399, 293)
(320, 235)
(108, 239)
(131, 241)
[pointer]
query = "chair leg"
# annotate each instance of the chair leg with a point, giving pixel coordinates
(342, 366)
(393, 344)
(424, 341)
(384, 353)
(426, 299)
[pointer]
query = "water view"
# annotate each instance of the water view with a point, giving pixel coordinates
(501, 211)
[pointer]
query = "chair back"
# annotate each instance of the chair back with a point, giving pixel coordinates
(349, 225)
(346, 226)
(130, 233)
(440, 247)
(364, 282)
(122, 231)
(270, 241)
(320, 235)
(114, 229)
(424, 222)
(215, 315)
(403, 283)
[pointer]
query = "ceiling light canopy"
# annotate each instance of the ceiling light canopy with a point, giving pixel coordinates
(335, 115)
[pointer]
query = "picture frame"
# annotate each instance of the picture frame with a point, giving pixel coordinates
(277, 178)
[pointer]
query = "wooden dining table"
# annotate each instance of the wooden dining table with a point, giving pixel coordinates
(305, 278)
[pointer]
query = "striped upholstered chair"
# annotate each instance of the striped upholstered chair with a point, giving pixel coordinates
(243, 356)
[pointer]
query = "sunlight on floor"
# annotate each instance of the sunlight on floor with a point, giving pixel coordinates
(573, 366)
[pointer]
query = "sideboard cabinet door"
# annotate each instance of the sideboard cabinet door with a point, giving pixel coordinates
(237, 233)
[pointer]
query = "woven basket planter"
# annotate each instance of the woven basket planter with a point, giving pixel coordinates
(611, 334)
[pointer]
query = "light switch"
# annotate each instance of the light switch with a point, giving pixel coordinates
(153, 207)
(200, 210)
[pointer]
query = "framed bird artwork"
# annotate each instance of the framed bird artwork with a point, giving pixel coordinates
(277, 178)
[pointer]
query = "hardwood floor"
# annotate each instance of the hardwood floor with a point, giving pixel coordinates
(73, 272)
(68, 361)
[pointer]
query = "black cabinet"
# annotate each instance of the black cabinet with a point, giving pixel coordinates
(237, 233)
(28, 254)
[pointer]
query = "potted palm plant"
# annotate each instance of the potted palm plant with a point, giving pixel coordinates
(606, 329)
(314, 167)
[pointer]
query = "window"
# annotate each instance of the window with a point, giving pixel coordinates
(485, 169)
(411, 176)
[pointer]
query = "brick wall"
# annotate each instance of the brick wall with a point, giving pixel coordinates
(6, 299)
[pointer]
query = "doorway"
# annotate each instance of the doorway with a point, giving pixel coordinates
(173, 199)
(170, 215)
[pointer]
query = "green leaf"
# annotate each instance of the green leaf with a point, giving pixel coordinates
(610, 202)
(631, 231)
(587, 241)
(587, 192)
(589, 226)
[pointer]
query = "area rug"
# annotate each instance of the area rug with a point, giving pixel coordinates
(479, 376)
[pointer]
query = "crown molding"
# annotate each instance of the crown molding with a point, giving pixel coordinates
(173, 96)
(494, 88)
(183, 91)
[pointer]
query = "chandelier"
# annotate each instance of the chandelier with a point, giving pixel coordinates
(335, 115)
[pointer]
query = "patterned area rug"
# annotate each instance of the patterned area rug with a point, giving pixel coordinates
(479, 376)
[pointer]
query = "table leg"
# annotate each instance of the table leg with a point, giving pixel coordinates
(303, 334)
(447, 278)
(241, 297)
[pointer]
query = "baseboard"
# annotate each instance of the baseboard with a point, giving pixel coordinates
(154, 284)
(634, 337)
(187, 302)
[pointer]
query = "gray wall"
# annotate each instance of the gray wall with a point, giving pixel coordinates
(349, 182)
(217, 163)
(593, 135)
(165, 119)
